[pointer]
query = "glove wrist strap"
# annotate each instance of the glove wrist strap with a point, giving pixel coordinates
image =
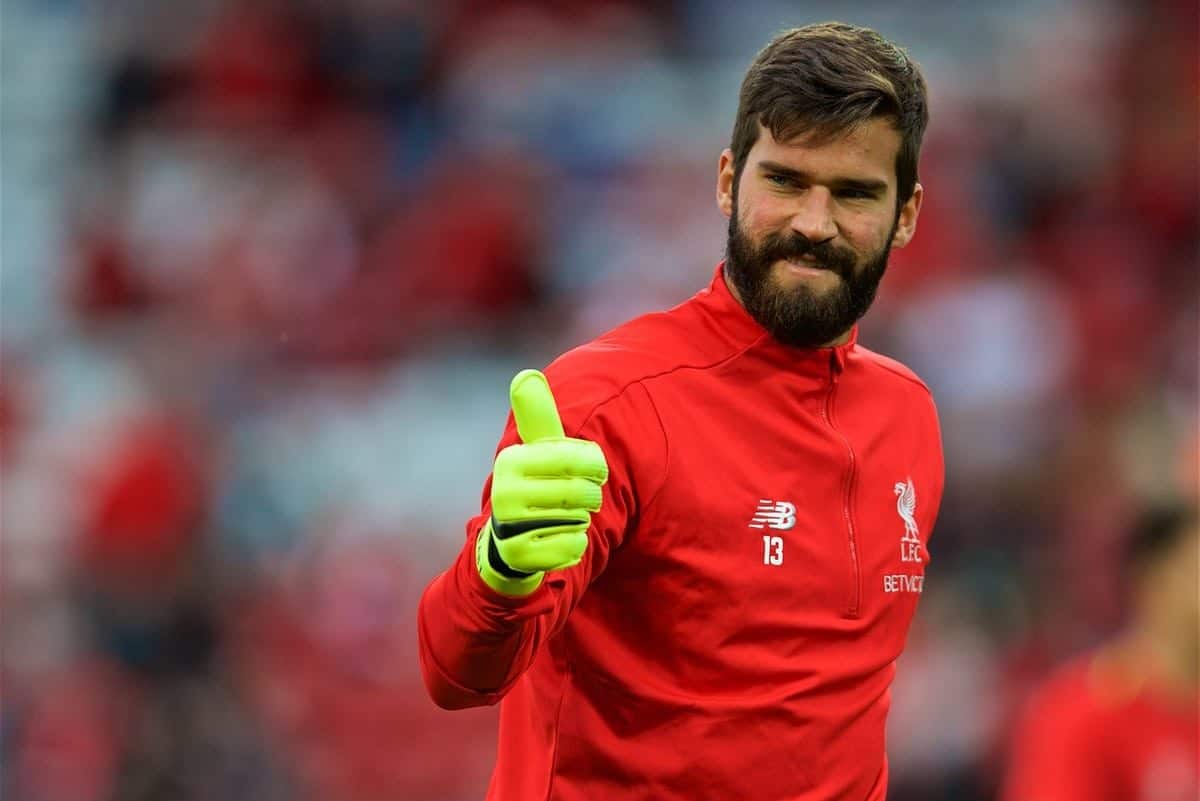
(496, 561)
(517, 584)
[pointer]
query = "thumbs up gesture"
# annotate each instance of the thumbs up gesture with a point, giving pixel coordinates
(544, 492)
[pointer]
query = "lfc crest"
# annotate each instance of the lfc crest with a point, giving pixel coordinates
(906, 507)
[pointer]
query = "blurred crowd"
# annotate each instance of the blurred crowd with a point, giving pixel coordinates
(269, 265)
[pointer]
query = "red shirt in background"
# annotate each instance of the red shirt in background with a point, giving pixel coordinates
(1097, 732)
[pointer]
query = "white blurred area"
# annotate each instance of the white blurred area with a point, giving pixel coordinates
(268, 268)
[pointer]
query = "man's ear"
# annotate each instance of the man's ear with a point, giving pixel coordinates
(906, 224)
(725, 179)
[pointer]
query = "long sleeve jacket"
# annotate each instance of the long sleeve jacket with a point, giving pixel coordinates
(732, 630)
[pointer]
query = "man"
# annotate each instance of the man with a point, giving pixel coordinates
(697, 560)
(1123, 723)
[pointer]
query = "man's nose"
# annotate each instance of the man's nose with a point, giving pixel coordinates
(814, 215)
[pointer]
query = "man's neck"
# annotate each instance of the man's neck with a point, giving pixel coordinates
(1169, 663)
(733, 290)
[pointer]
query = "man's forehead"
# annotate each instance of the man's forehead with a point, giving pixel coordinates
(872, 146)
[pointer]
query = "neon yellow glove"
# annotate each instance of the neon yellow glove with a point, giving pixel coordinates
(543, 494)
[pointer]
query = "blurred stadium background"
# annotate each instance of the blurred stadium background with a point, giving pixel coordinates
(269, 266)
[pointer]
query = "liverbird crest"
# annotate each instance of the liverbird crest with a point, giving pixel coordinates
(906, 507)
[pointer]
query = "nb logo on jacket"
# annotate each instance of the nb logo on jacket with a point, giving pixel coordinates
(779, 515)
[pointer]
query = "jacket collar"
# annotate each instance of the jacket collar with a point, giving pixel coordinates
(746, 333)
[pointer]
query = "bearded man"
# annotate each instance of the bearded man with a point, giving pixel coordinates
(705, 532)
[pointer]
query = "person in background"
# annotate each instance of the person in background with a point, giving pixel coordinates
(1123, 723)
(705, 533)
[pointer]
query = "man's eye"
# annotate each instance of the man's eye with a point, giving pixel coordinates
(780, 180)
(856, 194)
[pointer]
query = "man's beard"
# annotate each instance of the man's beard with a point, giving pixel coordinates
(799, 316)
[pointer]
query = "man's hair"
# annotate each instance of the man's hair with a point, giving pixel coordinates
(1156, 532)
(824, 80)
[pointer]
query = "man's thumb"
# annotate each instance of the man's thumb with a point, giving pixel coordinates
(533, 407)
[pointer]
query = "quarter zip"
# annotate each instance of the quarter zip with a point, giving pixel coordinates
(855, 596)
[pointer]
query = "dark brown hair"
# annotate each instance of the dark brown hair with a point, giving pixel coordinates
(1156, 532)
(826, 79)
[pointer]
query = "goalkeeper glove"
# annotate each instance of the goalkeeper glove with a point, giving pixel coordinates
(543, 494)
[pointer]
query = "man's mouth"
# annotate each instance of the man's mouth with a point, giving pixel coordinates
(806, 265)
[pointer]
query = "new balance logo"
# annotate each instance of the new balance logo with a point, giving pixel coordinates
(779, 515)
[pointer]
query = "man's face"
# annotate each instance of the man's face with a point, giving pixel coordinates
(810, 229)
(1169, 590)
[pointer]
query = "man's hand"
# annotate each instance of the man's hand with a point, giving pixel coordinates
(543, 494)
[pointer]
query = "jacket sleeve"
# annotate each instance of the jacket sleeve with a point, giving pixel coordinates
(931, 445)
(476, 643)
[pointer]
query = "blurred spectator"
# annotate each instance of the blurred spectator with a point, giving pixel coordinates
(948, 674)
(326, 657)
(1124, 721)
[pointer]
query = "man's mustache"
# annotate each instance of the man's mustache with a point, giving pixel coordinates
(796, 246)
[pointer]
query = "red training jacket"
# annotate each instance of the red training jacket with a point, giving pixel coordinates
(732, 630)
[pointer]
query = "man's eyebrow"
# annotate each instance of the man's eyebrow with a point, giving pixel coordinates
(863, 184)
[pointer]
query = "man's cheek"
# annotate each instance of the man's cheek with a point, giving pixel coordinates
(763, 215)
